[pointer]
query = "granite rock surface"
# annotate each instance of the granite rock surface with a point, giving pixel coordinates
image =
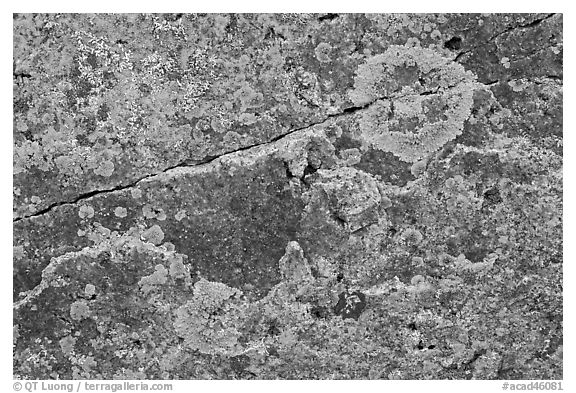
(294, 196)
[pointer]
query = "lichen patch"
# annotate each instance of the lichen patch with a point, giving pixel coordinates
(86, 211)
(79, 310)
(153, 235)
(418, 101)
(90, 290)
(106, 168)
(120, 212)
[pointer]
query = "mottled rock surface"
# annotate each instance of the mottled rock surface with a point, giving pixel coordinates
(202, 196)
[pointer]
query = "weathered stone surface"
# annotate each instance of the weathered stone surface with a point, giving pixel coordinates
(288, 196)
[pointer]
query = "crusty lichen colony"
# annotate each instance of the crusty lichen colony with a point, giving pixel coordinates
(294, 196)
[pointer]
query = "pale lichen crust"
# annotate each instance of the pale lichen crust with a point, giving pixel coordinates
(418, 101)
(288, 196)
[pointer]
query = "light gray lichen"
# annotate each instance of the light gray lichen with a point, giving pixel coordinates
(419, 101)
(322, 52)
(208, 323)
(153, 235)
(79, 310)
(86, 211)
(120, 212)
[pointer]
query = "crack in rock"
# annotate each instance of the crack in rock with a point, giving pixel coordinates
(535, 22)
(190, 164)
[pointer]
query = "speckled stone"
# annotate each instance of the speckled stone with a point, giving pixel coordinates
(288, 196)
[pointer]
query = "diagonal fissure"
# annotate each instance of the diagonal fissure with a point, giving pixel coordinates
(186, 163)
(208, 159)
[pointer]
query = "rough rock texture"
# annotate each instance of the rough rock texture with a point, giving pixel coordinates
(288, 196)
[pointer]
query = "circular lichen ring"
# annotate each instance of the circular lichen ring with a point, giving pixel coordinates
(416, 101)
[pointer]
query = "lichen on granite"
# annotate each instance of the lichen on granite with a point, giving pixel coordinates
(288, 196)
(420, 100)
